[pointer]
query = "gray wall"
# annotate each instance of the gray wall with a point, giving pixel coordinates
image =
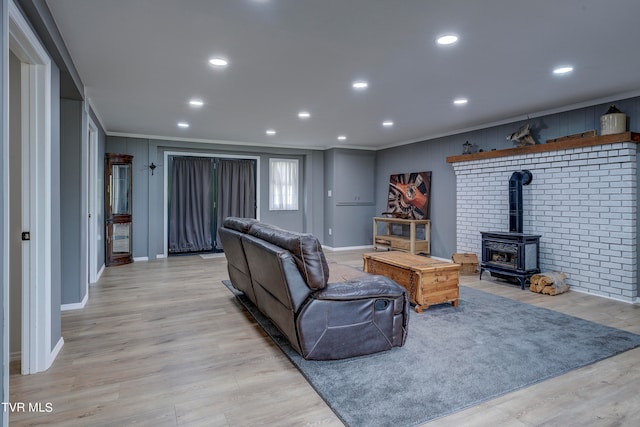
(424, 157)
(149, 191)
(431, 156)
(71, 137)
(350, 176)
(99, 214)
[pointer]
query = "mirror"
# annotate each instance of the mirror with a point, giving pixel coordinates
(121, 237)
(120, 196)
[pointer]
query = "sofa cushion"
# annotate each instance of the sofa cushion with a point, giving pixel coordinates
(305, 248)
(239, 224)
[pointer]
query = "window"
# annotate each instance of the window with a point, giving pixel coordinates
(283, 184)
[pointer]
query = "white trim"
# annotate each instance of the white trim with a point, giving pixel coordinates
(441, 259)
(140, 258)
(634, 300)
(456, 131)
(92, 203)
(295, 205)
(199, 154)
(93, 109)
(55, 351)
(4, 194)
(221, 142)
(160, 256)
(100, 271)
(513, 119)
(36, 78)
(76, 305)
(347, 248)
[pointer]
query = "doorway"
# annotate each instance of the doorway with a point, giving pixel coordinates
(193, 211)
(34, 210)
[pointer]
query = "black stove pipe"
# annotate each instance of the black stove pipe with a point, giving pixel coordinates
(517, 180)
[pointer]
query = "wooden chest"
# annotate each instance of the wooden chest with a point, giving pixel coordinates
(428, 281)
(468, 262)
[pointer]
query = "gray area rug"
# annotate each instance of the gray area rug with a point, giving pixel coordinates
(454, 358)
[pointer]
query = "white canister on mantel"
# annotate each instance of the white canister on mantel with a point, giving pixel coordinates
(613, 121)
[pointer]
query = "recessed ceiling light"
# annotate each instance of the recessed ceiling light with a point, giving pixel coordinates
(219, 62)
(342, 138)
(460, 101)
(360, 84)
(387, 123)
(563, 70)
(196, 103)
(304, 114)
(271, 132)
(183, 125)
(447, 39)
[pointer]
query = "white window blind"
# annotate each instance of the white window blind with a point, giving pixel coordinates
(283, 184)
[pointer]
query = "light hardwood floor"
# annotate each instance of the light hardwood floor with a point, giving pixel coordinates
(164, 343)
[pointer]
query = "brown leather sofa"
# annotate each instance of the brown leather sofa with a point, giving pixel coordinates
(285, 274)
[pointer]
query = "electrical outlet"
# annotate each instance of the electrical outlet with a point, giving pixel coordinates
(329, 193)
(330, 232)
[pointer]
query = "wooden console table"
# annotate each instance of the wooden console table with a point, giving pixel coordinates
(427, 280)
(409, 243)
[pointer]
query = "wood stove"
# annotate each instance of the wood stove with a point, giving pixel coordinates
(513, 255)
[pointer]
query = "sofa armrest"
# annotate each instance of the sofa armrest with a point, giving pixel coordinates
(353, 318)
(372, 286)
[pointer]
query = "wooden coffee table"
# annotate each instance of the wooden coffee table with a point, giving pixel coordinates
(427, 280)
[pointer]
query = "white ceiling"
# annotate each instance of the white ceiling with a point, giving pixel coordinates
(142, 60)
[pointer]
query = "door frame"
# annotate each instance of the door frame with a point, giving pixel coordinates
(37, 352)
(91, 176)
(167, 154)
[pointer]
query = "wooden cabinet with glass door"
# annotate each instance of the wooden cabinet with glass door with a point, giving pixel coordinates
(117, 206)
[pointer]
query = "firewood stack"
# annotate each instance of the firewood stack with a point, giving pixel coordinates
(551, 283)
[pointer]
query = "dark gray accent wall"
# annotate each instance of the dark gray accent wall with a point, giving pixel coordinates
(350, 176)
(431, 156)
(4, 202)
(71, 137)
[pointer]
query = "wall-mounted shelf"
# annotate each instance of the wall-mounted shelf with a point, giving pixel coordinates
(549, 146)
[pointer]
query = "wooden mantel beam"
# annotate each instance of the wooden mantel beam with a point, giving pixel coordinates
(549, 146)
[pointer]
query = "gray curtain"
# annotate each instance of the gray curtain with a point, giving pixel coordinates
(190, 205)
(236, 191)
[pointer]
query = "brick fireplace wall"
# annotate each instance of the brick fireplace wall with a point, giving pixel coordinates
(582, 201)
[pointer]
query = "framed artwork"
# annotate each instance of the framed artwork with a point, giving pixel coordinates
(409, 195)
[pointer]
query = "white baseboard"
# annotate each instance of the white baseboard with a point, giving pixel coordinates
(54, 352)
(99, 273)
(635, 300)
(141, 258)
(75, 306)
(346, 248)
